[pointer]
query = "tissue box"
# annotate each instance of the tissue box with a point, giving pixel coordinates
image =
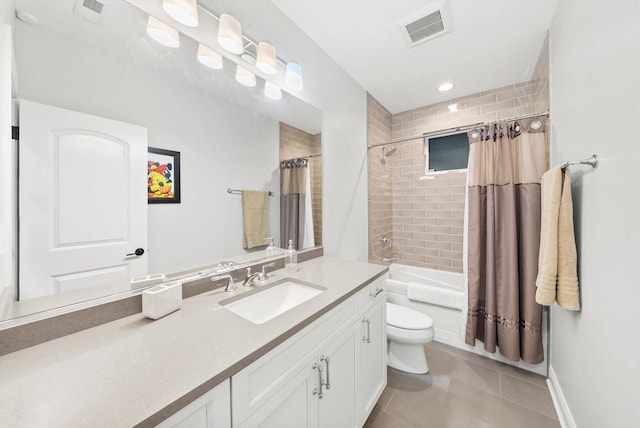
(161, 300)
(147, 280)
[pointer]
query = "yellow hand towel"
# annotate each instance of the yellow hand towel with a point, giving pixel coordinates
(568, 295)
(551, 190)
(255, 218)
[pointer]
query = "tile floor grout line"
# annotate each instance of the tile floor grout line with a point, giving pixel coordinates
(390, 398)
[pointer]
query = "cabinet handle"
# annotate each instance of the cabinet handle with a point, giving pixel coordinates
(317, 391)
(376, 292)
(367, 338)
(326, 361)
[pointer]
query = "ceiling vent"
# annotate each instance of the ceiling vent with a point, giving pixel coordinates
(90, 10)
(426, 24)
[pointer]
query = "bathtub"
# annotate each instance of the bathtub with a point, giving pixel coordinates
(441, 296)
(448, 314)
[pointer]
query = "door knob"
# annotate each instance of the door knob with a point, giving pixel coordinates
(137, 252)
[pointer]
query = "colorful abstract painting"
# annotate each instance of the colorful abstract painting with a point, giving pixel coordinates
(163, 176)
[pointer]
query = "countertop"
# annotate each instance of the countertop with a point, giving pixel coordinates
(136, 371)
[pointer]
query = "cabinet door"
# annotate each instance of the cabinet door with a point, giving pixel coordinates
(212, 410)
(337, 408)
(295, 405)
(373, 359)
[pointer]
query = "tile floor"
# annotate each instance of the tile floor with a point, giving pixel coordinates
(463, 389)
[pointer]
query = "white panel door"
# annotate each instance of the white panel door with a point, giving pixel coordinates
(83, 200)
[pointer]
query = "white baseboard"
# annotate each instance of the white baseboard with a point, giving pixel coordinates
(559, 401)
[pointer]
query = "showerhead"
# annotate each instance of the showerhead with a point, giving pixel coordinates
(388, 151)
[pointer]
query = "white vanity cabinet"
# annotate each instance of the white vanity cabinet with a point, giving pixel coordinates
(212, 410)
(373, 354)
(324, 376)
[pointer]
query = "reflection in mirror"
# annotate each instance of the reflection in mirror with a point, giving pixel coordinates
(228, 136)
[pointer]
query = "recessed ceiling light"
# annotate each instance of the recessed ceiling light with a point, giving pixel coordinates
(445, 86)
(453, 108)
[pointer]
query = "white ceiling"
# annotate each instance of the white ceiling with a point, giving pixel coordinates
(494, 43)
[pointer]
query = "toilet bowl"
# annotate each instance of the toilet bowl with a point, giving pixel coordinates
(407, 331)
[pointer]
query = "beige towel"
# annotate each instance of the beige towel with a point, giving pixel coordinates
(568, 295)
(255, 218)
(551, 190)
(557, 262)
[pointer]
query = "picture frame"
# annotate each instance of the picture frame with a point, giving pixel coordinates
(163, 176)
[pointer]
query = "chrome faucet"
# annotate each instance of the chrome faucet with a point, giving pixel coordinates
(231, 285)
(263, 274)
(250, 277)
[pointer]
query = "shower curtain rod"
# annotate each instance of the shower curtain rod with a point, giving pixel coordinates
(443, 132)
(303, 157)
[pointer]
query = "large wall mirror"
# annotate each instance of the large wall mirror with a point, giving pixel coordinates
(228, 136)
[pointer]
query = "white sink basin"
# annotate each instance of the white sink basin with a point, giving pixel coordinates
(272, 300)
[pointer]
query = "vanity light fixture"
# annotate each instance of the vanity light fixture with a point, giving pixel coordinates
(293, 76)
(183, 11)
(230, 34)
(272, 91)
(209, 58)
(446, 86)
(245, 77)
(162, 33)
(266, 60)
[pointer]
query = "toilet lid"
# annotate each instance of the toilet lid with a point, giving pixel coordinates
(409, 319)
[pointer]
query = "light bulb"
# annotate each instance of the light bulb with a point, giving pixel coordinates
(183, 11)
(272, 91)
(245, 77)
(266, 60)
(230, 34)
(293, 76)
(209, 58)
(162, 33)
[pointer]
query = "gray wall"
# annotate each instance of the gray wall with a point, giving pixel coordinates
(595, 106)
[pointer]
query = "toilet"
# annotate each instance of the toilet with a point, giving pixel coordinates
(407, 331)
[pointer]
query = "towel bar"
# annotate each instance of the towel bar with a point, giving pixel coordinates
(239, 192)
(593, 161)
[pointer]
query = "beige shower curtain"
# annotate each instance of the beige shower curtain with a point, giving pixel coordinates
(293, 176)
(506, 161)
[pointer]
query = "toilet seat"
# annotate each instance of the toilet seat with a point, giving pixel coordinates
(406, 318)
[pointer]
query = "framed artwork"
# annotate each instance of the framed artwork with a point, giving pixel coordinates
(163, 176)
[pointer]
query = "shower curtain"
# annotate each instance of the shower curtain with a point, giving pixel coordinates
(506, 161)
(293, 186)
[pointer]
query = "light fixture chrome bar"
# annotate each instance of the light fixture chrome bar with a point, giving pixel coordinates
(248, 40)
(443, 132)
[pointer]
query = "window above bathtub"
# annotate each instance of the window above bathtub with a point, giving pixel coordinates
(448, 153)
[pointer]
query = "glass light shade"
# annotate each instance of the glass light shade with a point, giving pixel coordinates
(183, 11)
(245, 77)
(209, 58)
(266, 61)
(293, 76)
(230, 34)
(162, 33)
(272, 91)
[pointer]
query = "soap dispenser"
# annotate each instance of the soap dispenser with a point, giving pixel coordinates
(291, 258)
(271, 248)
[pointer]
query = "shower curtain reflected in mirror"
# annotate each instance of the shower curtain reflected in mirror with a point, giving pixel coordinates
(296, 222)
(506, 161)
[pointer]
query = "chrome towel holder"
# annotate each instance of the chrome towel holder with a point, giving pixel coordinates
(239, 192)
(593, 161)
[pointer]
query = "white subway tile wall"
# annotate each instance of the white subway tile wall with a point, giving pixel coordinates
(295, 143)
(425, 218)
